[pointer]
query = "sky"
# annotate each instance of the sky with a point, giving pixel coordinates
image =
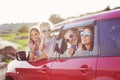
(18, 11)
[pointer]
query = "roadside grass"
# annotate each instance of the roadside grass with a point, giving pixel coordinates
(8, 37)
(11, 37)
(22, 43)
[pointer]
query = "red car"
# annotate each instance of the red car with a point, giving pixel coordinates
(103, 64)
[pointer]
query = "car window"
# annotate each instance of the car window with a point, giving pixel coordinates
(110, 37)
(84, 52)
(80, 50)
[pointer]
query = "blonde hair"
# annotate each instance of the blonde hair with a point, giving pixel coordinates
(44, 24)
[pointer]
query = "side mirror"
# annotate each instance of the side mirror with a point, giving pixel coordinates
(22, 56)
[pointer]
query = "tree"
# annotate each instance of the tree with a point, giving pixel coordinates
(107, 8)
(23, 28)
(55, 19)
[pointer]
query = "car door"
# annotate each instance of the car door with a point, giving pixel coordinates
(77, 67)
(39, 70)
(108, 67)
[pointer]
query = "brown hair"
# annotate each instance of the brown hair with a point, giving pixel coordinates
(33, 28)
(92, 31)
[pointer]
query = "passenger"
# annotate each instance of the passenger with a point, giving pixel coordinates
(34, 45)
(48, 41)
(72, 39)
(87, 39)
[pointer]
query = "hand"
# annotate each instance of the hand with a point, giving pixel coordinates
(42, 37)
(80, 46)
(71, 51)
(33, 60)
(36, 59)
(32, 48)
(30, 60)
(31, 45)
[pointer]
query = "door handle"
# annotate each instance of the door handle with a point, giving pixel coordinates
(85, 69)
(44, 68)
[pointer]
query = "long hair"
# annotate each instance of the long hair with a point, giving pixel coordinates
(92, 32)
(33, 28)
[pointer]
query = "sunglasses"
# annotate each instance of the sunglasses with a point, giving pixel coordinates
(44, 31)
(85, 34)
(70, 36)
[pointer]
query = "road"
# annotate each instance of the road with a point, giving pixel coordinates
(3, 69)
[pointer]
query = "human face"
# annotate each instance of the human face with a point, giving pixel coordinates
(87, 37)
(71, 37)
(46, 31)
(34, 35)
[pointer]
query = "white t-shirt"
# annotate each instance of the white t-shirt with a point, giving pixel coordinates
(50, 46)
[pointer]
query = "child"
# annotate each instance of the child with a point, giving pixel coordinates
(36, 52)
(48, 42)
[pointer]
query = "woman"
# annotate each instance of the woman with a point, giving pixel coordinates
(72, 39)
(87, 39)
(36, 52)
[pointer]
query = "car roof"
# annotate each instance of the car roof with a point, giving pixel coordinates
(98, 16)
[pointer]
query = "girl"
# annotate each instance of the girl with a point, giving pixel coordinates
(36, 52)
(48, 42)
(87, 39)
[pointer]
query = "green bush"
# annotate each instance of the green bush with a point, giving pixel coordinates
(23, 43)
(23, 29)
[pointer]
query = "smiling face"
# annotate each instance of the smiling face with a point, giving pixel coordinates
(34, 35)
(45, 30)
(87, 37)
(71, 37)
